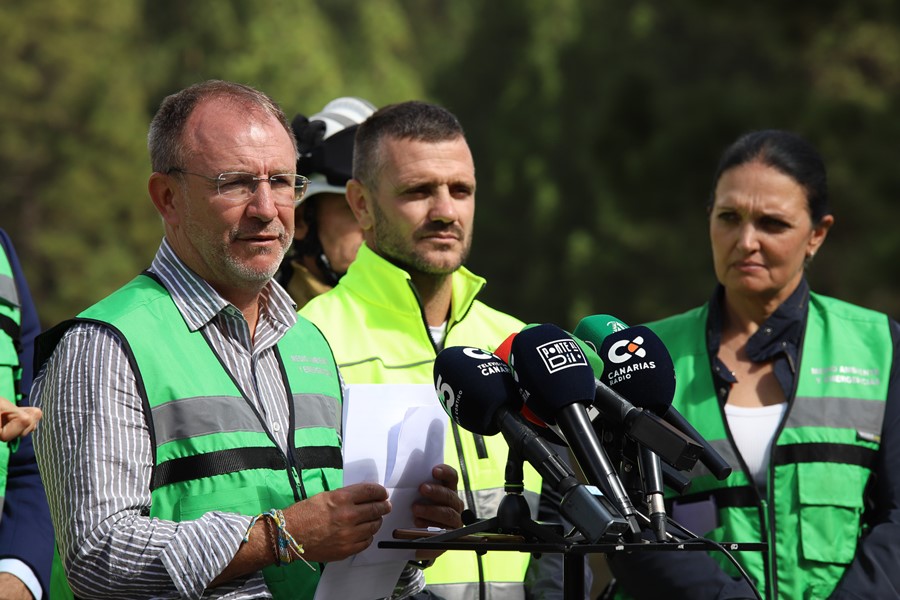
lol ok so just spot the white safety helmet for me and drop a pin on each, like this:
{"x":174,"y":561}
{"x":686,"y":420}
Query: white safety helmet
{"x":325,"y":144}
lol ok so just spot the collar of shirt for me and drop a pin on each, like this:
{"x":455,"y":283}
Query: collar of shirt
{"x":199,"y":303}
{"x":778,"y":339}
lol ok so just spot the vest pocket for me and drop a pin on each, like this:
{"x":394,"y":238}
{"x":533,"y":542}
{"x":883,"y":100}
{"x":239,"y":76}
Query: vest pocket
{"x":831,"y":504}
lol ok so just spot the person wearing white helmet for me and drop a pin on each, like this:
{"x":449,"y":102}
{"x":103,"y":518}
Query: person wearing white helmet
{"x":327,"y":235}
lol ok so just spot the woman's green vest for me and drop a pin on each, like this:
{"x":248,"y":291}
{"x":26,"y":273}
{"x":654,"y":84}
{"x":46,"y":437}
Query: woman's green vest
{"x":10,"y":370}
{"x":822,"y":457}
{"x":212,"y":450}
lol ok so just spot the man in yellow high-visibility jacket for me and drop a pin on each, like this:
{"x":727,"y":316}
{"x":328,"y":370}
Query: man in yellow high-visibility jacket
{"x":407,"y":296}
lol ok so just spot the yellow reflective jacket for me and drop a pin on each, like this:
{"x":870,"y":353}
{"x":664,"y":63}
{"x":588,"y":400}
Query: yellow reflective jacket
{"x":374,"y":322}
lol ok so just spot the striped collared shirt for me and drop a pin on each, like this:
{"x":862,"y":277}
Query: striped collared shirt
{"x":95,"y":453}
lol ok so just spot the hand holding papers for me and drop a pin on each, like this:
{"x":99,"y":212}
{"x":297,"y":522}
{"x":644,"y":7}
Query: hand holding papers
{"x":394,"y":436}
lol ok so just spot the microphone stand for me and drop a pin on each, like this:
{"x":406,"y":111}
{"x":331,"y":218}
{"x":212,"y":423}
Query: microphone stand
{"x":513,"y":514}
{"x":514,"y":517}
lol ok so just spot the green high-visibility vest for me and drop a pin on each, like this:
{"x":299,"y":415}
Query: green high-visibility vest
{"x":822,"y":456}
{"x":212,"y":450}
{"x":10,"y":369}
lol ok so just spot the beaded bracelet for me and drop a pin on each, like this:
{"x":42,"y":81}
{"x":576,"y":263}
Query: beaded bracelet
{"x":286,"y":547}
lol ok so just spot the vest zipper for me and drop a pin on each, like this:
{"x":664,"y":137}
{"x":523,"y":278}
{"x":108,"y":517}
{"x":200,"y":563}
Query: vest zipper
{"x":767,"y":504}
{"x":291,"y":457}
{"x":772,"y":534}
{"x":480,"y":446}
{"x":470,"y":498}
{"x":289,"y":462}
{"x":763,"y":511}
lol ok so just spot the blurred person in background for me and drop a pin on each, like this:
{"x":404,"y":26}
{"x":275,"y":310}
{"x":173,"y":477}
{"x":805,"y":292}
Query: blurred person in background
{"x":326,"y":234}
{"x":26,"y":532}
{"x":797,"y":391}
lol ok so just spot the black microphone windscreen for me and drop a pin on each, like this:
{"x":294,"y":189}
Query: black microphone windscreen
{"x":471,"y":384}
{"x":639,"y":367}
{"x":551,"y":369}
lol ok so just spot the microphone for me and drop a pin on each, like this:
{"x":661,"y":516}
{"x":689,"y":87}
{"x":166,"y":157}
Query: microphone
{"x":502,"y":352}
{"x":558,"y":383}
{"x":477,"y":390}
{"x":646,"y":428}
{"x":593,"y":330}
{"x":640,"y":367}
{"x":673,"y":446}
{"x":596,"y":328}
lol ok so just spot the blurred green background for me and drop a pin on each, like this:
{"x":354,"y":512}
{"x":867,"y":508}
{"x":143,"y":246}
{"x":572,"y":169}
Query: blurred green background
{"x":595,"y":124}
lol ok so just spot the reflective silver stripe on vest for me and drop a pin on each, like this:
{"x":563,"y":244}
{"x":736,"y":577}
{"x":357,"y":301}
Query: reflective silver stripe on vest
{"x":363,"y":361}
{"x":723,"y":447}
{"x":865,"y":416}
{"x":8,"y":291}
{"x":204,"y":415}
{"x":469,"y":591}
{"x":487,"y":501}
{"x":841,"y":413}
{"x":317,"y":410}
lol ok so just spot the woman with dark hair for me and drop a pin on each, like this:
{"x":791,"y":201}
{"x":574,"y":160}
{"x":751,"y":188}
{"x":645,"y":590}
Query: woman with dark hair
{"x":797,"y":391}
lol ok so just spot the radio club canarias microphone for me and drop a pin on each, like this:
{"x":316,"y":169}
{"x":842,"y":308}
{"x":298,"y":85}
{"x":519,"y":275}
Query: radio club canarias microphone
{"x":558,"y":383}
{"x":639,"y":366}
{"x":478,"y":392}
{"x":598,"y":328}
{"x":609,"y":408}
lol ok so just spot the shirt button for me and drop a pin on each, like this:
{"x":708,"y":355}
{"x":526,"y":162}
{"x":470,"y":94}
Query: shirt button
{"x":277,"y":426}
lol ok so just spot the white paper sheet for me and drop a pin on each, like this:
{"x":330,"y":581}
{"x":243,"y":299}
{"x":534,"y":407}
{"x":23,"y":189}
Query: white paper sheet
{"x":393,"y":435}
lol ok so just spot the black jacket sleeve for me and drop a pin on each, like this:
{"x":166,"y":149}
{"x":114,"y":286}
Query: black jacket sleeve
{"x":676,"y":576}
{"x":875,"y":570}
{"x":26,"y":532}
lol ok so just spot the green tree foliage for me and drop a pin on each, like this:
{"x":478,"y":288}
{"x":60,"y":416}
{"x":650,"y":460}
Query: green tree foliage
{"x":596,"y":126}
{"x":83,"y":78}
{"x":71,"y":149}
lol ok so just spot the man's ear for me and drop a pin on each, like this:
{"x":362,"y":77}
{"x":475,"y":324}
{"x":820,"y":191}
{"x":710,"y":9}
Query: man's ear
{"x":164,"y":191}
{"x":359,"y":198}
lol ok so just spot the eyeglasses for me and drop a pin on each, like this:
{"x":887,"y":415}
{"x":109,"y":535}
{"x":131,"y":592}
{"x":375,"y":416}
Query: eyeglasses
{"x":286,"y":188}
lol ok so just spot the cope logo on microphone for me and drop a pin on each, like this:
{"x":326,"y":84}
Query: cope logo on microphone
{"x":561,"y":354}
{"x":616,"y":326}
{"x":624,"y":350}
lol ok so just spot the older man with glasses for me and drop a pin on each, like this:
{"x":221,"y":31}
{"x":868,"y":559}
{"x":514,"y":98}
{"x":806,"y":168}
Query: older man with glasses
{"x":191,"y":438}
